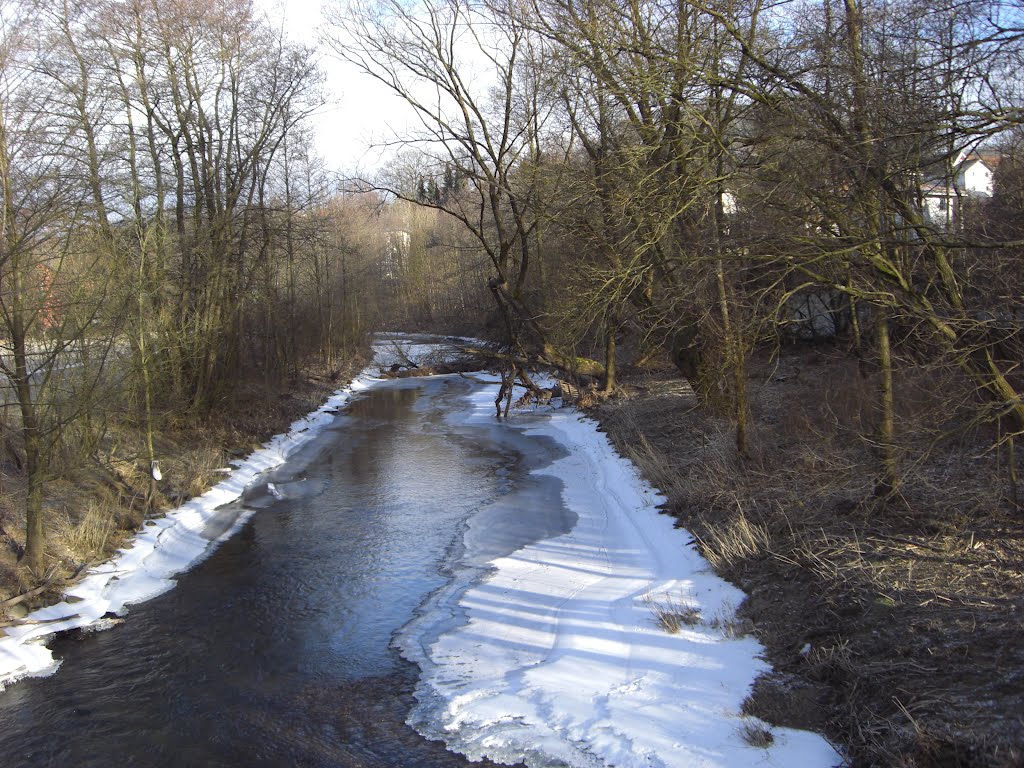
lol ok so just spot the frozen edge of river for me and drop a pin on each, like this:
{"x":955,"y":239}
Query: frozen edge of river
{"x":560,"y":660}
{"x":162,"y":549}
{"x":170,"y":545}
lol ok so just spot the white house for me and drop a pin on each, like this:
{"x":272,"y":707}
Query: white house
{"x":977,"y":173}
{"x":974,"y":179}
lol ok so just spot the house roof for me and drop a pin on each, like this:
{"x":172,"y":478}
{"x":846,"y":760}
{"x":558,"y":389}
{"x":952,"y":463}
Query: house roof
{"x":989,"y":159}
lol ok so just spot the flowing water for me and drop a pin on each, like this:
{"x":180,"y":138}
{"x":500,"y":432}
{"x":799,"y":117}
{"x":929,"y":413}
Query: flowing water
{"x":277,"y":649}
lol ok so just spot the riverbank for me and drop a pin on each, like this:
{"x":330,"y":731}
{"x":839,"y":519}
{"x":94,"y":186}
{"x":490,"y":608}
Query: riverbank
{"x":611,"y":643}
{"x":94,"y":506}
{"x":893,"y":626}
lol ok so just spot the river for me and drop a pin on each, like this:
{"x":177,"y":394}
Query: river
{"x":277,"y":649}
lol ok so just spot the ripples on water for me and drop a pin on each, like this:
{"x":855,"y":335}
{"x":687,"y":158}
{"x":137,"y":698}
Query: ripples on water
{"x":276,"y":651}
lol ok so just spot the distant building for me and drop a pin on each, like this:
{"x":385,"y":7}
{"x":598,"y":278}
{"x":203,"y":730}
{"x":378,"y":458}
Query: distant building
{"x":396,"y":251}
{"x":976,"y":172}
{"x":973,"y":179}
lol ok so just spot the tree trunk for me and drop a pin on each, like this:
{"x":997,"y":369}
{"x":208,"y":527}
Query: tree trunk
{"x":35,"y":537}
{"x":889,"y":481}
{"x":611,"y":327}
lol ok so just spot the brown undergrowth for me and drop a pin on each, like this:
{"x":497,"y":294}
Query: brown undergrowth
{"x":894,"y":625}
{"x":97,"y":502}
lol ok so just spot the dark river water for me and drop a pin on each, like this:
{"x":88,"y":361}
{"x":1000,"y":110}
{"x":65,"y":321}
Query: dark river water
{"x":276,"y":650}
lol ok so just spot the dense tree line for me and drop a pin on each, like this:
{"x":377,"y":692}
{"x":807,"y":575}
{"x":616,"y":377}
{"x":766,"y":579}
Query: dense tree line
{"x":599,"y":182}
{"x":680,"y":176}
{"x":166,"y":229}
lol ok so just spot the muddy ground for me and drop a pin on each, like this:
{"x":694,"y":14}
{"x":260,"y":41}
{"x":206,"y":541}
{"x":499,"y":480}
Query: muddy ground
{"x":895,"y":625}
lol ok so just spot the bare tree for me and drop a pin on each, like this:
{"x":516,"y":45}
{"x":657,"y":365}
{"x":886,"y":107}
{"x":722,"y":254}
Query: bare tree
{"x":869,"y":100}
{"x":432,"y":57}
{"x":43,"y":232}
{"x":653,"y":94}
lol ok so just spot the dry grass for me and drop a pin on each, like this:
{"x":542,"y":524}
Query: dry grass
{"x":199,"y":471}
{"x":88,"y":533}
{"x":757,"y":734}
{"x":737,"y":540}
{"x":673,"y":614}
{"x":731,"y":623}
{"x":832,"y":660}
{"x":907,"y":608}
{"x":655,"y":465}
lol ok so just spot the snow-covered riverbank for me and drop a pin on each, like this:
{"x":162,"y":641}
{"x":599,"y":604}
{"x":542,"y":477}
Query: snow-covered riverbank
{"x":560,"y":658}
{"x":163,"y":548}
{"x":176,"y":542}
{"x":552,"y":653}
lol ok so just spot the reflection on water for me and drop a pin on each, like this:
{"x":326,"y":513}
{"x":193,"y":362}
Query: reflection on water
{"x":276,"y":651}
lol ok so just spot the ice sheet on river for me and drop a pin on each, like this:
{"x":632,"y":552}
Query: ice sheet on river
{"x":556,"y":656}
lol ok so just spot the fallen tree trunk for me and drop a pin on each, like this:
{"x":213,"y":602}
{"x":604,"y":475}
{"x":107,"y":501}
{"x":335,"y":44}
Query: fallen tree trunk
{"x":51,"y":582}
{"x":547,"y":353}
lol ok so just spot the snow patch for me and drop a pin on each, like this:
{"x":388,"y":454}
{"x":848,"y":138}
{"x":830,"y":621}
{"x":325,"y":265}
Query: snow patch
{"x":555,"y":657}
